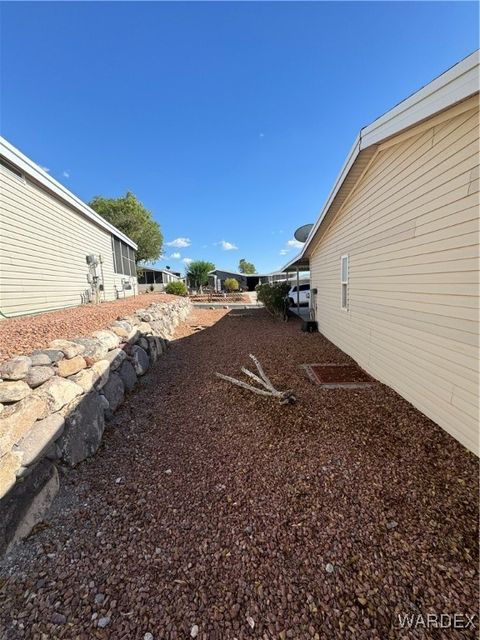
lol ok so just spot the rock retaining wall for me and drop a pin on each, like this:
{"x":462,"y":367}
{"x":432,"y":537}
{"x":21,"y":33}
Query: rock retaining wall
{"x":54,"y":402}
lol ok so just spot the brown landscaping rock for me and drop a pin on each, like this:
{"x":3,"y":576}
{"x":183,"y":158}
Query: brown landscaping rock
{"x":36,"y":442}
{"x":69,"y":367}
{"x":210,"y":509}
{"x":13,"y":390}
{"x":16,"y":368}
{"x":67,"y":347}
{"x":58,"y":392}
{"x":38,"y":375}
{"x":15,"y":422}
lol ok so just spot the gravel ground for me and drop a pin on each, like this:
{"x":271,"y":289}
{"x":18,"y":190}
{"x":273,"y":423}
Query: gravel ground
{"x":19,"y":336}
{"x":213,"y":513}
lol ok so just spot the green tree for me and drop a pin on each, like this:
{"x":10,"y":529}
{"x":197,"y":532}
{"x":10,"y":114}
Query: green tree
{"x":246,"y":267}
{"x":231,"y":284}
{"x":130,"y":216}
{"x":197,"y":273}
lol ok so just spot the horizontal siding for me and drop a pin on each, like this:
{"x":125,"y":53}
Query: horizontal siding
{"x":410,"y":228}
{"x":43,"y":245}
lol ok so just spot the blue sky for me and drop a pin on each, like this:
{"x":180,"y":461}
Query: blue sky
{"x":229,"y":121}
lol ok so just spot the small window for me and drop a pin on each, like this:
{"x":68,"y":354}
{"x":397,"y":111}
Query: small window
{"x":344,"y":281}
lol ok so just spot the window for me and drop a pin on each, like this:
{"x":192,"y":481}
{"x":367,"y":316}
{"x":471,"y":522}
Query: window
{"x":123,"y":258}
{"x":344,"y":281}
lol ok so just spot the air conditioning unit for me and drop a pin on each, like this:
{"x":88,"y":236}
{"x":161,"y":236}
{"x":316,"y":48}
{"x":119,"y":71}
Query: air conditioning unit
{"x":92,"y":260}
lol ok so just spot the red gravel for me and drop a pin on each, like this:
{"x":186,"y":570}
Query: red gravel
{"x":19,"y":336}
{"x":230,"y":508}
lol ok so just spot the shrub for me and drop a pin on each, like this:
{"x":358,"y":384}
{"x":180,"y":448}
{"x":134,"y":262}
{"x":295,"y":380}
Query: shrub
{"x":272,"y":296}
{"x":176,"y":288}
{"x":231,"y":284}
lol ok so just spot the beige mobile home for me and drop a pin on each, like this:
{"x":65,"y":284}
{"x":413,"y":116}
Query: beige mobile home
{"x":55,"y":251}
{"x":394,"y":254}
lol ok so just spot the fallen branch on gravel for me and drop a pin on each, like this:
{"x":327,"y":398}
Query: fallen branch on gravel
{"x":285,"y":397}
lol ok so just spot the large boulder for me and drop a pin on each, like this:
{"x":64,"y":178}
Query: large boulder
{"x":85,"y":379}
{"x":108,"y":338}
{"x":102,"y":373}
{"x":14,"y":390}
{"x":36,"y":442}
{"x":115,"y":358}
{"x":16,"y":368}
{"x":71,"y":366}
{"x":69,"y":348}
{"x":128,"y":375}
{"x":17,"y":420}
{"x":10,"y":463}
{"x":94,"y":350}
{"x":40,"y":359}
{"x":26,"y":503}
{"x":58,"y":392}
{"x":84,"y":426}
{"x":54,"y":355}
{"x":122,"y":328}
{"x":140,"y":360}
{"x":114,"y":391}
{"x":38,"y":375}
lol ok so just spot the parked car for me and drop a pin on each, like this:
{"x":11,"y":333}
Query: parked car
{"x":304,"y":295}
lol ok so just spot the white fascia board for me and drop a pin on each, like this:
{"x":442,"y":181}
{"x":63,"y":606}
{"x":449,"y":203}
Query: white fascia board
{"x":457,"y":84}
{"x":29,"y":168}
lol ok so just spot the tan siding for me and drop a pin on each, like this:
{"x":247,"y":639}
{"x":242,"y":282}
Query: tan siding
{"x":410,"y":228}
{"x":43,"y":245}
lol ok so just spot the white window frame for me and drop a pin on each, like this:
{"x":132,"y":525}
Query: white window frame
{"x":344,"y":282}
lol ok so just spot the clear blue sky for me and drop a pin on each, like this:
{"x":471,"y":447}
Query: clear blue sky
{"x":228,"y":121}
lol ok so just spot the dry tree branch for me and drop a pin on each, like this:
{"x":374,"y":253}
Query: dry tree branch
{"x":285,"y":397}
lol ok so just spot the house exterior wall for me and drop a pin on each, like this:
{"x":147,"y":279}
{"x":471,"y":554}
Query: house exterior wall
{"x":410,"y":229}
{"x":43,"y":245}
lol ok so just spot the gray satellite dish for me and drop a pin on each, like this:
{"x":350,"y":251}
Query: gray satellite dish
{"x":301,"y":234}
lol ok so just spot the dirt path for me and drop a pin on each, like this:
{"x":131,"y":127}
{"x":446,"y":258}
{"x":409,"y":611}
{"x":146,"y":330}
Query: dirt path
{"x":214,"y":512}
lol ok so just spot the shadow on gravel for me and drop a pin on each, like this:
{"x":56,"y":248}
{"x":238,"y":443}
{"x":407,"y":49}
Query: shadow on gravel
{"x":214,"y":512}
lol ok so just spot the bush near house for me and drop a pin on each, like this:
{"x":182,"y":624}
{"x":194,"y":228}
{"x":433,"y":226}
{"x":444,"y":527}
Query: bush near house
{"x":272,"y":296}
{"x":176,"y":288}
{"x":231,"y":284}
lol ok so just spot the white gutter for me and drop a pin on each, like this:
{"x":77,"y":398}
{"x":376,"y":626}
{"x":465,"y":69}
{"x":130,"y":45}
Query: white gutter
{"x":28,"y":167}
{"x":458,"y":83}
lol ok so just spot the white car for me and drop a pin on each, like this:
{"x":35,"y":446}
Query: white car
{"x":304,"y":295}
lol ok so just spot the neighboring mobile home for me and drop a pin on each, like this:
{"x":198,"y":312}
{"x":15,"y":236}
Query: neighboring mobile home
{"x":152,"y":279}
{"x":55,"y":251}
{"x":394,"y":254}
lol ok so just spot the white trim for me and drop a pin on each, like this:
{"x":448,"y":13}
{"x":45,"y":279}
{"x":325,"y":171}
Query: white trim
{"x":457,"y":84}
{"x":29,"y":168}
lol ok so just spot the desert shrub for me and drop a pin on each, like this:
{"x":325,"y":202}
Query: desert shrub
{"x":176,"y":288}
{"x":272,"y":296}
{"x":231,"y":284}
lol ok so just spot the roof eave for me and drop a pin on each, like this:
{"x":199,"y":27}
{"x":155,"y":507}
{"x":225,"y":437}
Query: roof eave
{"x":28,"y":167}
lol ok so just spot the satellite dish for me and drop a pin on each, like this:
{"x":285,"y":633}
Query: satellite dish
{"x":301,"y":234}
